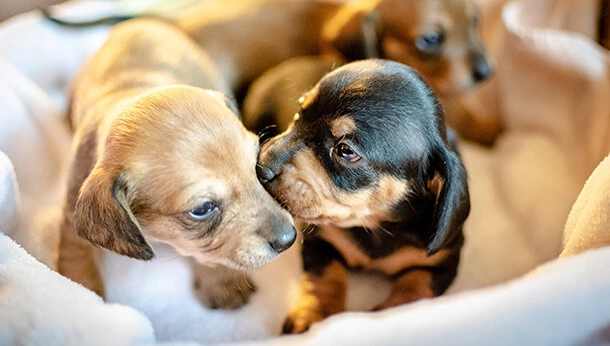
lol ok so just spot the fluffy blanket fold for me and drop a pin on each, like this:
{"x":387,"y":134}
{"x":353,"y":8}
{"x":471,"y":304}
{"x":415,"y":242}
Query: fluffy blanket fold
{"x":551,"y":88}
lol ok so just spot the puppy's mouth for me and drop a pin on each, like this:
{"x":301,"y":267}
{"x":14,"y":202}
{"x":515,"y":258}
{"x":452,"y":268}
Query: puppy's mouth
{"x":298,"y":198}
{"x":305,"y":204}
{"x":460,"y":79}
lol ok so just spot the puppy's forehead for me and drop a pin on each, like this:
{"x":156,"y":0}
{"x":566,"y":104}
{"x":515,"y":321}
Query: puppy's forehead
{"x":372,"y":82}
{"x":376,"y":99}
{"x":187,"y":140}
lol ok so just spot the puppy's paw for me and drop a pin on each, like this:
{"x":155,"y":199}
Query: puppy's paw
{"x":300,"y":319}
{"x":222,"y":288}
{"x":231,"y":294}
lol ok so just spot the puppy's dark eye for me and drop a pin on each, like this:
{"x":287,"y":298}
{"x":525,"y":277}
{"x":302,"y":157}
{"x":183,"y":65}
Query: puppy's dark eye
{"x":346,"y":153}
{"x":430,"y":42}
{"x":204,"y":211}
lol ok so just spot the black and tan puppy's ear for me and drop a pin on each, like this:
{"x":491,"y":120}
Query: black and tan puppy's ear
{"x":103,"y":217}
{"x":232,"y":105}
{"x":229,"y":101}
{"x":450,"y":186}
{"x":353,"y":34}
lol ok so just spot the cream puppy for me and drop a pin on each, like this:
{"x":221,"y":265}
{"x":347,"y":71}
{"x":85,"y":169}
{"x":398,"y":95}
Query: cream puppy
{"x":161,"y":157}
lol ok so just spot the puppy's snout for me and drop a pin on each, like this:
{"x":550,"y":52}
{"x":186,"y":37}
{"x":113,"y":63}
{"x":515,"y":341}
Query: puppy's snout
{"x":284,"y":239}
{"x":481,"y":70}
{"x":279,"y":233}
{"x":265,"y":174}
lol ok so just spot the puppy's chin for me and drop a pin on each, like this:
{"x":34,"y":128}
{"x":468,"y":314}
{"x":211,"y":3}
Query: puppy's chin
{"x":234,"y":264}
{"x":447,"y":87}
{"x":243,"y":258}
{"x":239,"y":253}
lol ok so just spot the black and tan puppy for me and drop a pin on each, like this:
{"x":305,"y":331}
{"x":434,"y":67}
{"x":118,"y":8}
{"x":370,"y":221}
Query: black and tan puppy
{"x":161,"y":156}
{"x":368,"y":160}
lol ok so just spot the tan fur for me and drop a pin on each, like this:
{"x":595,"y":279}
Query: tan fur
{"x":309,"y":194}
{"x":321,"y":296}
{"x":151,"y":142}
{"x":405,"y":257}
{"x":409,"y":287}
{"x":77,"y":261}
{"x":222,"y":287}
{"x":342,"y":126}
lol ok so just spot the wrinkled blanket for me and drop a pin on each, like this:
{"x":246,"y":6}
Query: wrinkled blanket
{"x":551,"y":91}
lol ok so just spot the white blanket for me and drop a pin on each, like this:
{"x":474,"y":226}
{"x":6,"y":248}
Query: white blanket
{"x":551,"y":89}
{"x":40,"y":307}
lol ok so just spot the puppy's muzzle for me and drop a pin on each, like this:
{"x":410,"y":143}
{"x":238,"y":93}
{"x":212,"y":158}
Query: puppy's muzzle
{"x":481,"y":68}
{"x":282,"y":237}
{"x":274,"y":154}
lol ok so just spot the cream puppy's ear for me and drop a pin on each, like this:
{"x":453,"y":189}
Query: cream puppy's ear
{"x":103,"y":217}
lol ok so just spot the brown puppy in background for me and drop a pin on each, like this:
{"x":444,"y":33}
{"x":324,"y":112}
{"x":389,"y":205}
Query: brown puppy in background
{"x":160,"y":156}
{"x":438,"y":38}
{"x":369,"y":162}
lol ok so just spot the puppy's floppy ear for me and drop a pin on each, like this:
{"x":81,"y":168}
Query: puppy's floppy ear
{"x":103,"y":217}
{"x":354,"y":35}
{"x":450,"y":186}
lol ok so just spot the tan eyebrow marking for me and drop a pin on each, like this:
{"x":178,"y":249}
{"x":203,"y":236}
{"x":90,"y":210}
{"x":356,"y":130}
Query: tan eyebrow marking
{"x":342,"y":126}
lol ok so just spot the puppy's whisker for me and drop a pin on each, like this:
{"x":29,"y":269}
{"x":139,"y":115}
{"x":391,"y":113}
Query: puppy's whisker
{"x":226,"y":273}
{"x":267,"y":129}
{"x":408,"y":200}
{"x":235,"y":277}
{"x":386,"y":231}
{"x":373,"y":234}
{"x":310,"y":229}
{"x":246,"y":279}
{"x":368,"y":231}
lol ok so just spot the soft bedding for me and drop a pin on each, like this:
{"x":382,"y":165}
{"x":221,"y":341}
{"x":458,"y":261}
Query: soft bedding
{"x":551,"y":90}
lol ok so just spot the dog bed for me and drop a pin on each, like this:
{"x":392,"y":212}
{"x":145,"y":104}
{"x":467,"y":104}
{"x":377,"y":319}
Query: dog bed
{"x":529,"y":275}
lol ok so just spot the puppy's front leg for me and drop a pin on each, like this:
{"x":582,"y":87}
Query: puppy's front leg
{"x":411,"y":286}
{"x":221,"y":287}
{"x":76,"y":259}
{"x":324,"y":287}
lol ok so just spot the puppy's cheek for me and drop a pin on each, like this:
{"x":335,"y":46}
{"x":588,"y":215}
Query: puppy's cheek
{"x":162,"y":229}
{"x":300,"y":199}
{"x":238,"y":248}
{"x":210,"y":250}
{"x":298,"y":196}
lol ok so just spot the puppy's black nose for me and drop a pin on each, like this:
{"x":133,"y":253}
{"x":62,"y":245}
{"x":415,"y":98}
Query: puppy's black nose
{"x":284,"y":239}
{"x":482,"y":70}
{"x":265,"y":174}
